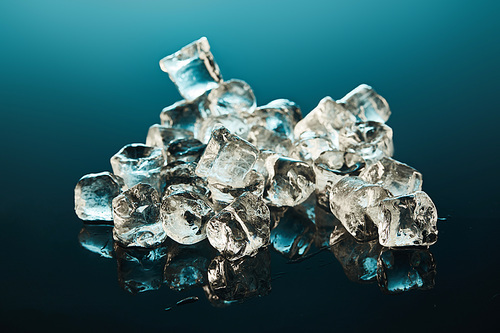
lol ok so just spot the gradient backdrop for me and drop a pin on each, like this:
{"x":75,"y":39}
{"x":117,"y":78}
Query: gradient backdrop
{"x":80,"y":79}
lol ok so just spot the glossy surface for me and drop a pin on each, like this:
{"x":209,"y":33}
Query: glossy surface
{"x":80,"y":80}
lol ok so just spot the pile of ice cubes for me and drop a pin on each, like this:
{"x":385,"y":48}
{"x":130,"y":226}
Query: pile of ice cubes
{"x":218,"y":164}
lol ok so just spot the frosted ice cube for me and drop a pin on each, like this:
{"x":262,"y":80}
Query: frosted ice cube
{"x":161,"y":136}
{"x":136,"y":217}
{"x":330,"y":167}
{"x":94,"y":194}
{"x":366,"y":104}
{"x":182,"y":115}
{"x":140,"y":270}
{"x":371,"y":140}
{"x":400,"y":270}
{"x":290,"y":181}
{"x":241,"y":228}
{"x":326,"y":119}
{"x":225,"y":194}
{"x":407,"y":220}
{"x":186,"y":150}
{"x":227,"y":159}
{"x":137,"y":163}
{"x":397,"y":177}
{"x":230,"y":97}
{"x":310,"y":146}
{"x":233,"y":122}
{"x":192,"y":69}
{"x":354,"y":202}
{"x":185,"y":211}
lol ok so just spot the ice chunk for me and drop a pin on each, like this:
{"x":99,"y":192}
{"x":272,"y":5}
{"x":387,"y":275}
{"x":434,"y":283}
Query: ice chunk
{"x":354,"y":202}
{"x":225,"y":194}
{"x":230,"y":97}
{"x":180,"y":172}
{"x":241,"y":228}
{"x":290,"y":183}
{"x":161,"y":136}
{"x":326,"y":119}
{"x":140,"y":270}
{"x":310,"y":146}
{"x":235,"y":281}
{"x":407,"y":220}
{"x":93,"y":196}
{"x":137,"y":163}
{"x":268,"y":140}
{"x":233,"y":122}
{"x":187,"y":265}
{"x":182,"y":115}
{"x":187,"y":150}
{"x":286,"y":106}
{"x":192,"y":69}
{"x":294,"y":235}
{"x":397,"y":177}
{"x":136,"y":215}
{"x":400,"y":270}
{"x":227,"y":159}
{"x":371,"y":140}
{"x":185,"y":211}
{"x":366,"y":104}
{"x":98,"y":239}
{"x":330,"y":167}
{"x":359,"y":260}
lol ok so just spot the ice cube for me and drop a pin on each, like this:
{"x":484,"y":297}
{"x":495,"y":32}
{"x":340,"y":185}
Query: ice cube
{"x":366,"y":104}
{"x":185,"y":211}
{"x":358,"y":259}
{"x":268,"y":140}
{"x":187,"y":265}
{"x":140,"y":270}
{"x":371,"y":140}
{"x":290,"y":108}
{"x":290,"y":182}
{"x":137,"y":163}
{"x":180,"y":172}
{"x":225,"y":194}
{"x":93,"y":196}
{"x":310,"y":146}
{"x":400,"y":270}
{"x":407,"y":220}
{"x":235,"y":281}
{"x":355,"y":202}
{"x":136,"y":216}
{"x":187,"y":150}
{"x":230,"y":97}
{"x":192,"y":69}
{"x":293,"y":235}
{"x":241,"y":228}
{"x":98,"y":239}
{"x":330,"y":167}
{"x":326,"y":119}
{"x":233,"y":122}
{"x":161,"y":136}
{"x":182,"y":115}
{"x":227,"y":159}
{"x":277,"y":117}
{"x":397,"y":177}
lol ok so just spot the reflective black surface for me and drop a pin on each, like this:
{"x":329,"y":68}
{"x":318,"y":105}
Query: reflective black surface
{"x":79,"y":80}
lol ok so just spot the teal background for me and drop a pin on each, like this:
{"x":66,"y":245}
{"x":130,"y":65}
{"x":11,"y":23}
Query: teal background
{"x":80,"y":79}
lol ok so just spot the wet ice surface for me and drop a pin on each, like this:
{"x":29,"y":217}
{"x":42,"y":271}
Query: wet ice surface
{"x":222,"y":183}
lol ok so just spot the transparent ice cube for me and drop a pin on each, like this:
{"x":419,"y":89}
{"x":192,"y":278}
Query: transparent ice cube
{"x":94,"y":194}
{"x":230,"y":97}
{"x":366,"y":104}
{"x":192,"y":69}
{"x":136,"y":217}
